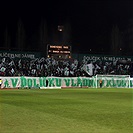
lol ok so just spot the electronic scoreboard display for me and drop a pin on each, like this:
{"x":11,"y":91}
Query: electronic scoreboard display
{"x":59,"y":51}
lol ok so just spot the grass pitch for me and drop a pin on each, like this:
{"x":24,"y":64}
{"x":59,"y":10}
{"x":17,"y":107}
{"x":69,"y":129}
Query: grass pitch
{"x":66,"y":111}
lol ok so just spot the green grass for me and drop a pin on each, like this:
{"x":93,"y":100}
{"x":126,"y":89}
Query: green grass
{"x":66,"y":111}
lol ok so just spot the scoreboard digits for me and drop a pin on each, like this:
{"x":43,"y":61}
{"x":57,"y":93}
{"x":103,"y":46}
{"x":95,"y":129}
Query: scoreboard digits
{"x":59,"y":51}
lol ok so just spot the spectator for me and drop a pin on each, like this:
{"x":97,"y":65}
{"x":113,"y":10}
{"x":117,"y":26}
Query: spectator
{"x":51,"y":67}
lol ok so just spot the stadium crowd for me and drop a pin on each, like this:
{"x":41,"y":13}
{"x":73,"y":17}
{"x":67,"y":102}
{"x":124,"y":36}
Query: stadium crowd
{"x":62,"y":68}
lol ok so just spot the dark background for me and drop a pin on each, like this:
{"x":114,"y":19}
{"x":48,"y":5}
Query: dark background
{"x":91,"y":22}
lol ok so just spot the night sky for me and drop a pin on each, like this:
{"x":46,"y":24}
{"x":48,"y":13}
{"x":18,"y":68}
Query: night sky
{"x":91,"y":20}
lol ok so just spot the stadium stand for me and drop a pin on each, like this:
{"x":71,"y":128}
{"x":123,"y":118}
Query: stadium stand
{"x":62,"y":68}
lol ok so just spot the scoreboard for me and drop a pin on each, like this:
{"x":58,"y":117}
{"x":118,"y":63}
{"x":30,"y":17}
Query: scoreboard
{"x":59,"y":51}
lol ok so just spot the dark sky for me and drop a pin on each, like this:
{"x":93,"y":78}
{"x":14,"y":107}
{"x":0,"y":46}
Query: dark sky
{"x":91,"y":20}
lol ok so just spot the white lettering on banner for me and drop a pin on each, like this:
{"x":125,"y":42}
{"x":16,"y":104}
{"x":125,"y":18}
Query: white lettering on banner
{"x":106,"y":58}
{"x":17,"y":55}
{"x":92,"y":58}
{"x":4,"y":54}
{"x":110,"y":58}
{"x":13,"y":55}
{"x":31,"y":56}
{"x":10,"y":55}
{"x":98,"y":58}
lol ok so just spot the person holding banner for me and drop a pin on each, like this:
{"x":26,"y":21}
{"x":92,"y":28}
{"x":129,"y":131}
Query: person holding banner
{"x":0,"y":83}
{"x":100,"y":82}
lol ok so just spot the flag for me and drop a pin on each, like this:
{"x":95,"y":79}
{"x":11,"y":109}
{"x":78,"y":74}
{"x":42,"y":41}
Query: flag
{"x":19,"y":63}
{"x":41,"y":60}
{"x":12,"y":71}
{"x":88,"y":68}
{"x":2,"y":69}
{"x":3,"y":60}
{"x":11,"y":63}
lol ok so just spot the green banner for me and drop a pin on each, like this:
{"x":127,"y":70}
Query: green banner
{"x":37,"y":82}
